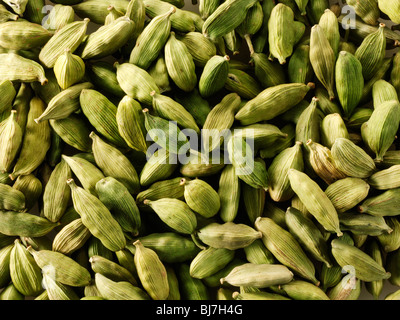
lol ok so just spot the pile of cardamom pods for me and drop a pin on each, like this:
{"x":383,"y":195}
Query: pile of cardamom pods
{"x":297,"y":99}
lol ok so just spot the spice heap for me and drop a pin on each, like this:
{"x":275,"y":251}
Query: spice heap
{"x":244,"y":152}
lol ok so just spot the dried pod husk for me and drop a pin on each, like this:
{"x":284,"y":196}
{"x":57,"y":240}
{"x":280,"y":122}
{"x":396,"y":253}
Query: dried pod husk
{"x":171,"y":188}
{"x":365,"y":267}
{"x":10,"y":292}
{"x":379,"y":74}
{"x":23,"y":35}
{"x":64,"y":103}
{"x":330,"y":25}
{"x":103,"y":75}
{"x":59,"y":16}
{"x":69,"y":69}
{"x":209,"y":261}
{"x":278,"y":240}
{"x":253,"y":201}
{"x":118,"y":290}
{"x":351,"y":159}
{"x":348,"y":288}
{"x":157,"y":168}
{"x":86,"y":172}
{"x":5,"y":253}
{"x":120,"y":202}
{"x":394,"y":74}
{"x":136,"y":82}
{"x":101,"y":113}
{"x":303,"y":290}
{"x":284,"y":32}
{"x":56,"y":194}
{"x":151,"y":40}
{"x":360,"y":224}
{"x":201,"y":48}
{"x":322,"y":163}
{"x":374,"y":250}
{"x":151,"y":272}
{"x":229,"y":191}
{"x":332,"y":127}
{"x":381,"y":205}
{"x":349,"y":82}
{"x":252,"y":22}
{"x":61,"y":268}
{"x":346,"y":193}
{"x":166,"y":134}
{"x":227,"y":17}
{"x":219,"y":119}
{"x":71,"y":237}
{"x":130,"y":120}
{"x":214,"y":76}
{"x":31,"y":187}
{"x":25,"y":273}
{"x":105,"y":156}
{"x":6,"y":15}
{"x":35,"y":143}
{"x":175,"y":213}
{"x":390,"y":8}
{"x":264,"y":105}
{"x":371,"y":52}
{"x":182,"y":20}
{"x":8,"y":93}
{"x":11,"y":136}
{"x":97,"y":218}
{"x":258,"y":275}
{"x":257,"y":253}
{"x":279,"y":184}
{"x":368,"y":11}
{"x":390,"y":241}
{"x":110,"y":269}
{"x":180,"y":64}
{"x":228,"y":235}
{"x":386,"y":179}
{"x":191,"y":288}
{"x":74,"y":130}
{"x":299,"y":66}
{"x":379,"y":132}
{"x":242,"y":83}
{"x":158,"y":71}
{"x":207,"y":7}
{"x":308,"y":235}
{"x":17,"y":68}
{"x":392,"y":265}
{"x":171,"y":247}
{"x":167,"y":108}
{"x":315,"y":200}
{"x":57,"y":291}
{"x":201,"y":197}
{"x":23,"y":224}
{"x":359,"y":116}
{"x":267,"y":72}
{"x":326,"y":105}
{"x":383,"y":91}
{"x":260,"y":39}
{"x":323,"y":59}
{"x":68,"y":37}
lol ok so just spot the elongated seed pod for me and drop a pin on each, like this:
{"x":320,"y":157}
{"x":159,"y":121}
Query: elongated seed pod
{"x":323,"y":59}
{"x":209,"y":261}
{"x":349,"y":82}
{"x":35,"y":143}
{"x":229,"y":191}
{"x":371,"y":52}
{"x":151,"y":272}
{"x":383,"y":204}
{"x":97,"y":218}
{"x":151,"y":41}
{"x":64,"y":103}
{"x":71,"y":237}
{"x":285,"y":248}
{"x":14,"y":67}
{"x":366,"y":268}
{"x":368,"y":11}
{"x":315,"y":200}
{"x":10,"y":141}
{"x":180,"y":64}
{"x":105,"y":155}
{"x":68,"y":37}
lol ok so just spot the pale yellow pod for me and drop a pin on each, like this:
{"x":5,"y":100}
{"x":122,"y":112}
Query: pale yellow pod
{"x":69,"y":69}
